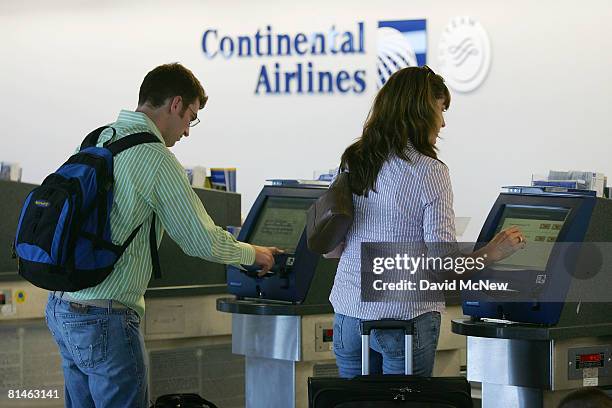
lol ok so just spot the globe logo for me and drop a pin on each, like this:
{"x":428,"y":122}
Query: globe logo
{"x":400,"y":44}
{"x":464,"y":54}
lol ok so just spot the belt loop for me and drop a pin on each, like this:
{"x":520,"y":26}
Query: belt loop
{"x":110,"y":306}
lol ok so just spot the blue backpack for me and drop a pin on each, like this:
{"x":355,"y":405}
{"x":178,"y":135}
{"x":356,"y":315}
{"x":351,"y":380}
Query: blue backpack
{"x":63,"y":239}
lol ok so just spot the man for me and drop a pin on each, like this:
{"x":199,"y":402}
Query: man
{"x":97,"y":329}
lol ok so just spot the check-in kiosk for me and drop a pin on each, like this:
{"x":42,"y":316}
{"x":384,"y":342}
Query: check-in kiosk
{"x":187,"y":339}
{"x":551,"y":331}
{"x":278,"y":218}
{"x":283,"y":322}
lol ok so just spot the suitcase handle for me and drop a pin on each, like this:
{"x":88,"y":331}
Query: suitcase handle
{"x":368,"y":325}
{"x":366,"y":328}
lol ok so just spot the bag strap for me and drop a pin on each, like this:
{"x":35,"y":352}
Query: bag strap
{"x":153,"y":246}
{"x":120,"y":249}
{"x":130,"y":141}
{"x":115,"y":148}
{"x":91,"y":140}
{"x":119,"y":146}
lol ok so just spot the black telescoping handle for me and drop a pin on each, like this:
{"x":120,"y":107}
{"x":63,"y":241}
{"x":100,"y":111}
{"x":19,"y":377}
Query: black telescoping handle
{"x":366,"y":328}
{"x":387,"y":324}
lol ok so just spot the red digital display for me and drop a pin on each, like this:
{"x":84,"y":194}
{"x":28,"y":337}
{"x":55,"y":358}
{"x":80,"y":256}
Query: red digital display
{"x":328,"y":335}
{"x":584,"y":358}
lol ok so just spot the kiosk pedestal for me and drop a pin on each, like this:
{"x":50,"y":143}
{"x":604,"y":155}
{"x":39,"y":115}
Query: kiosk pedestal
{"x":283,"y":345}
{"x":529,"y":366}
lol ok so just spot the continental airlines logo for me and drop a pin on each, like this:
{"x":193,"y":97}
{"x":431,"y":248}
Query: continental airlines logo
{"x":290,"y":59}
{"x":401,"y":44}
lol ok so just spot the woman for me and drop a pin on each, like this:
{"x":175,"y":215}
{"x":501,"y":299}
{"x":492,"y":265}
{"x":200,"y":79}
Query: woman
{"x":401,"y":193}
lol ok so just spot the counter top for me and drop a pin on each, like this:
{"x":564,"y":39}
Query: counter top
{"x":262,"y":307}
{"x":526,"y":331}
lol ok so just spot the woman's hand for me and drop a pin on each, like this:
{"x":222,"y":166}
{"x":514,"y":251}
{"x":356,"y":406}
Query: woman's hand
{"x":504,"y":244}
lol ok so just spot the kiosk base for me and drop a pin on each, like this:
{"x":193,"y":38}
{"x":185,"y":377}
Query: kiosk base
{"x":528,"y":373}
{"x":281,"y":352}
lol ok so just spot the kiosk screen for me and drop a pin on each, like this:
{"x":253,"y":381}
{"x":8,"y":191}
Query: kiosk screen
{"x":281,"y":222}
{"x":540,"y":226}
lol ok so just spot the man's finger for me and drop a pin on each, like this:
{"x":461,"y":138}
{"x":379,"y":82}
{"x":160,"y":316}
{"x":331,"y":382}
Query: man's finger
{"x":264,"y":270}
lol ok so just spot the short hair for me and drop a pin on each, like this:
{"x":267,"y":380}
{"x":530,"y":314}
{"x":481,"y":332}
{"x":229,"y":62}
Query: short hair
{"x":586,"y":398}
{"x":170,"y":80}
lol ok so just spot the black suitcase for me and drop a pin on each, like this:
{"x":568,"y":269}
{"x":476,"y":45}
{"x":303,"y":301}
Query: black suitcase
{"x":388,"y":390}
{"x":182,"y":401}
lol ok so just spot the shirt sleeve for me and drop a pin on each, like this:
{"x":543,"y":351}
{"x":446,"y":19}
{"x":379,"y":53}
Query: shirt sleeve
{"x":438,"y":214}
{"x":186,"y":221}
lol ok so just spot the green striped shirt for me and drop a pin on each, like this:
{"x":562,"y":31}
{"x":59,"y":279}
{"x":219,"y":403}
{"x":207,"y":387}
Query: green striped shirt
{"x":149,"y":179}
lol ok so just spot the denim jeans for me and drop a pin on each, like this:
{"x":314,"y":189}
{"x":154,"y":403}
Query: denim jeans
{"x":103,"y":355}
{"x":386,"y":346}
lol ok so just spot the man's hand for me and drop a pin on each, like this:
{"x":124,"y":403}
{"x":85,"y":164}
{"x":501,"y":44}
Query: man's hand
{"x":264,"y":257}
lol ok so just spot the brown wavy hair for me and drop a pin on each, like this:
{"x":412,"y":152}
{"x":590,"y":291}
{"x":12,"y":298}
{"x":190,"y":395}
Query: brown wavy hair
{"x":403,"y":113}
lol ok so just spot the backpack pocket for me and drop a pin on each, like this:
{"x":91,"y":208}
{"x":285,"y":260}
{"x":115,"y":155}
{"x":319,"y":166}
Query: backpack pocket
{"x":45,"y":222}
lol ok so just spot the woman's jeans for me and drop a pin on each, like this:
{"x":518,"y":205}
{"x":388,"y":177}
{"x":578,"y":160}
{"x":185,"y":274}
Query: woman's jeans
{"x":386,"y":346}
{"x":103,"y":355}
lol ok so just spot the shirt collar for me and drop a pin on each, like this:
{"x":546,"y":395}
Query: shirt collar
{"x":141,"y":119}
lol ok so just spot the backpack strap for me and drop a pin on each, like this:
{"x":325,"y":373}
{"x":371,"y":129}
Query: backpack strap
{"x":120,"y":249}
{"x":130,"y":141}
{"x":119,"y":146}
{"x":153,"y":246}
{"x":91,"y":140}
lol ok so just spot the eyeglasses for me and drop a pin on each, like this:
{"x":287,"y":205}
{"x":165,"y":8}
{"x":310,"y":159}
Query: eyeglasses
{"x":194,"y":122}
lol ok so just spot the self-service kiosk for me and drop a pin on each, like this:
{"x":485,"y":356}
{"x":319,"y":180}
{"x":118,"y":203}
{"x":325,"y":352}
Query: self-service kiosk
{"x":278,"y":218}
{"x":551,"y":331}
{"x":282,"y":322}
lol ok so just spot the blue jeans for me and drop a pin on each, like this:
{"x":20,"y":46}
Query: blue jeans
{"x":103,"y":355}
{"x":386,"y":346}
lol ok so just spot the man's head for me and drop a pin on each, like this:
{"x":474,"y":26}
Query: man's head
{"x":171,"y":96}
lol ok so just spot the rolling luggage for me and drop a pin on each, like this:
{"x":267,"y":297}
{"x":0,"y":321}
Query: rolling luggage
{"x":182,"y":401}
{"x":382,"y":391}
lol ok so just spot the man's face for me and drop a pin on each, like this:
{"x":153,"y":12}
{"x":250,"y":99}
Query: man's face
{"x":181,"y":115}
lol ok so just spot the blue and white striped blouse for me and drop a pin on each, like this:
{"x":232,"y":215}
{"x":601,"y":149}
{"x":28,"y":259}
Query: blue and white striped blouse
{"x":413,"y":203}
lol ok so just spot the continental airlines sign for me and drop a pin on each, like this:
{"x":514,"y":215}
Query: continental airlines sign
{"x":303,"y":77}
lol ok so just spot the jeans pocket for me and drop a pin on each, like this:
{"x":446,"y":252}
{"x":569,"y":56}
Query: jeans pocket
{"x":426,"y":330}
{"x":391,"y":342}
{"x":87,"y":340}
{"x":337,"y":335}
{"x":132,"y":320}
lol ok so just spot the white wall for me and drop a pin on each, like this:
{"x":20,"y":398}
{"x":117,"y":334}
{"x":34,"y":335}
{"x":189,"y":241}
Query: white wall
{"x":69,"y":66}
